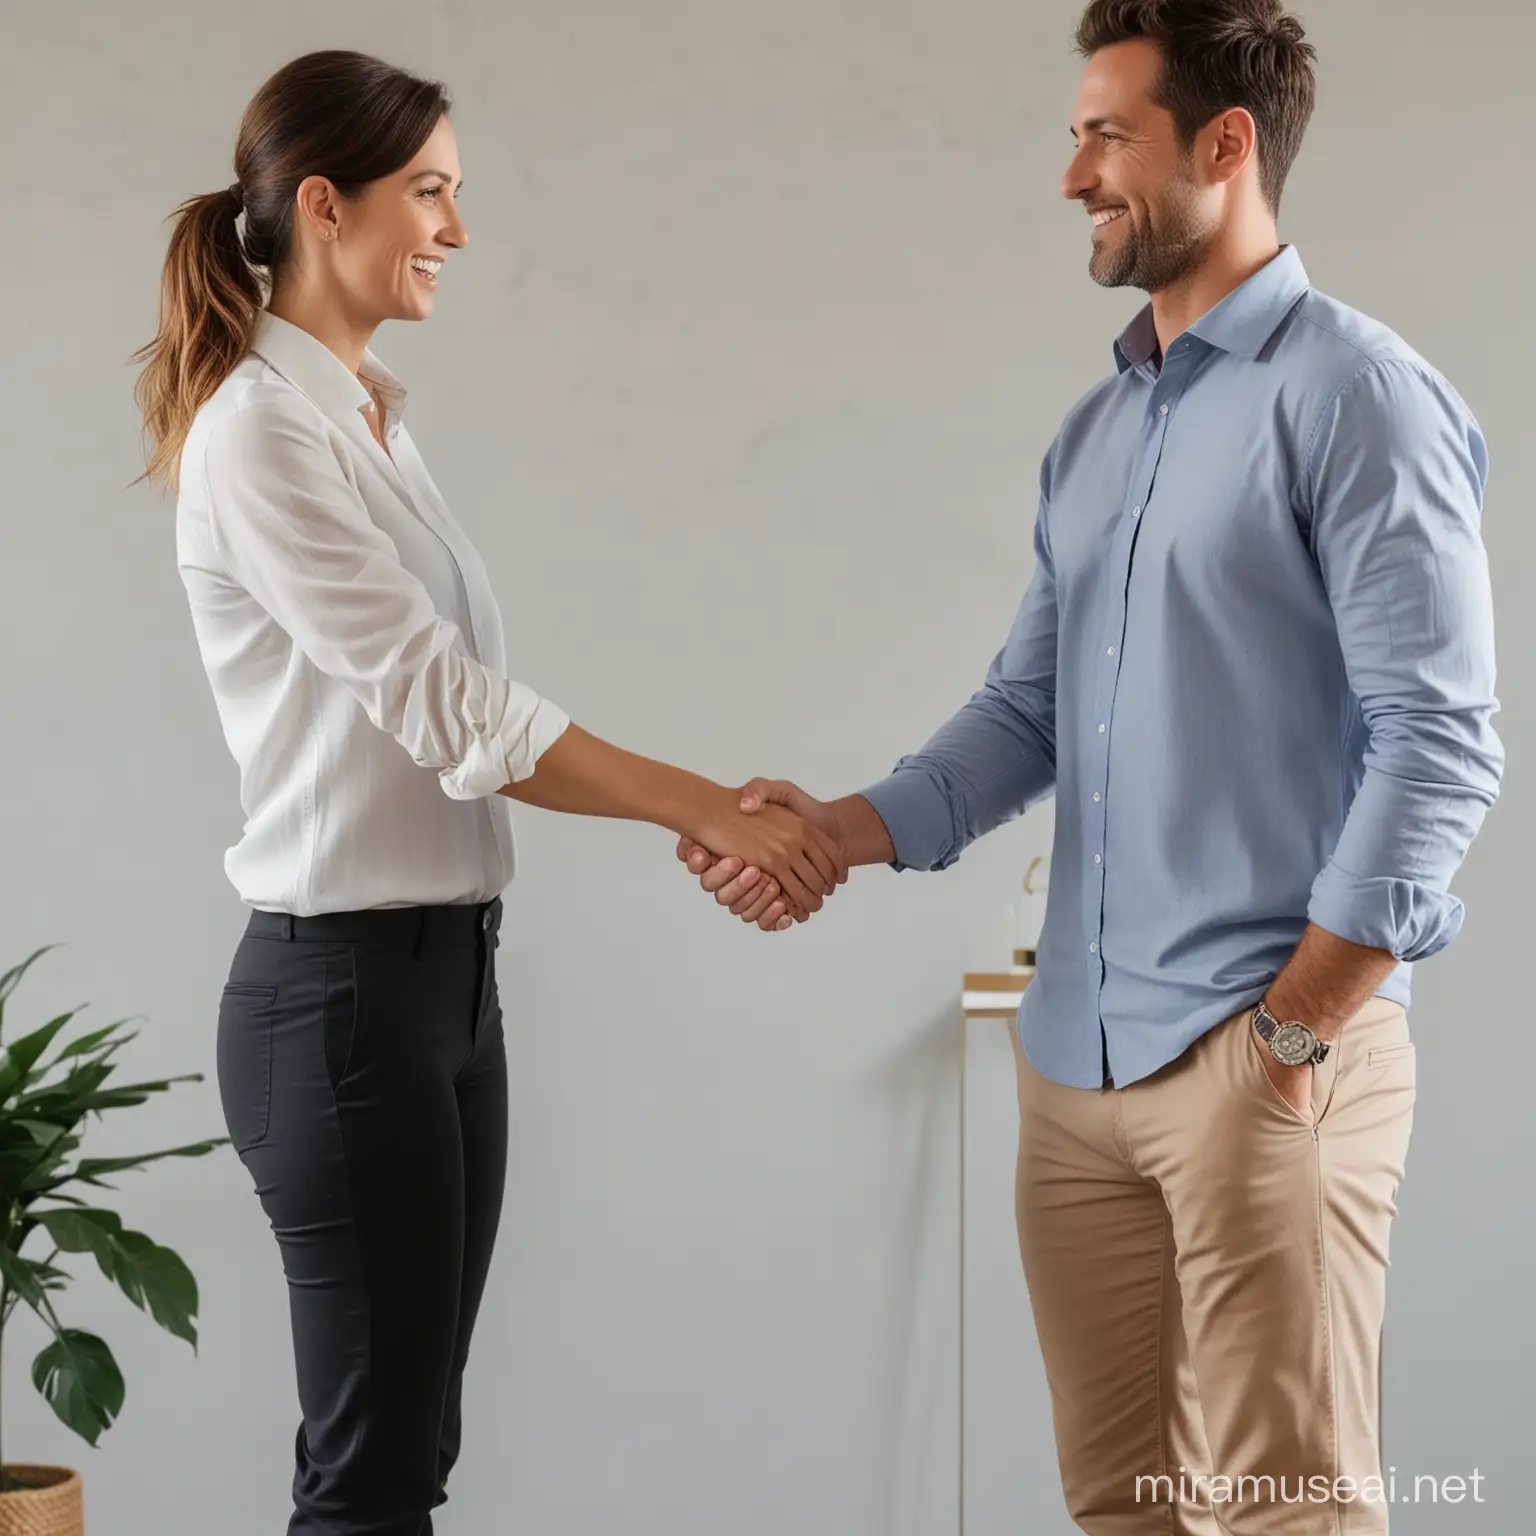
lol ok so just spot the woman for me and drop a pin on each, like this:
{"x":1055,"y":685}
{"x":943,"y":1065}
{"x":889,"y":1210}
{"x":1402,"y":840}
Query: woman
{"x":343,"y":616}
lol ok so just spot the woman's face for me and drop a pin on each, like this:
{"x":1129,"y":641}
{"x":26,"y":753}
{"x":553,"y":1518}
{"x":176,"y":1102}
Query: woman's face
{"x":394,"y":240}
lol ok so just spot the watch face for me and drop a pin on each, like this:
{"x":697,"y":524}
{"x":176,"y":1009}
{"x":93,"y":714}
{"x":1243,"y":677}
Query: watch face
{"x":1293,"y":1045}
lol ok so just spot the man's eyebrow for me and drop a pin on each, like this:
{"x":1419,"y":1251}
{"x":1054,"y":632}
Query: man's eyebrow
{"x":1095,"y":124}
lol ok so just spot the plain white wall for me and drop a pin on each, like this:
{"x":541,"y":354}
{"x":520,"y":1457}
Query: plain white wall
{"x":769,"y":312}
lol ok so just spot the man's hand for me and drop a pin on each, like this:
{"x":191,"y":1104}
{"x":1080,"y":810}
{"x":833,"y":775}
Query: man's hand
{"x":804,"y":860}
{"x":1325,"y":982}
{"x":1293,"y":1084}
{"x":743,"y":887}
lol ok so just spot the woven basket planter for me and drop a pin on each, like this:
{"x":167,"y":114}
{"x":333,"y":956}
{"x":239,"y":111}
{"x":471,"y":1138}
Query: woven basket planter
{"x":50,"y":1504}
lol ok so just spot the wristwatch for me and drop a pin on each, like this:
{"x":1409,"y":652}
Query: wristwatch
{"x":1292,"y":1043}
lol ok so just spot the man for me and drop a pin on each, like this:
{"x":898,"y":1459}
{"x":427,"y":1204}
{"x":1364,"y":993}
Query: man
{"x":1255,"y":666}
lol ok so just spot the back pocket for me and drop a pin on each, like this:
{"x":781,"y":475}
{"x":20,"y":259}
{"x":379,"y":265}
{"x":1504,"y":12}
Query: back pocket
{"x":244,"y":1057}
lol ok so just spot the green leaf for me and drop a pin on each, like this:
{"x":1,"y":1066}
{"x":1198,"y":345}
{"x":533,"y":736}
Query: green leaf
{"x":23,"y":1169}
{"x":12,"y":976}
{"x":150,"y":1276}
{"x":49,"y":1088}
{"x":97,"y":1037}
{"x":16,"y":1131}
{"x":89,"y":1169}
{"x":61,"y":1101}
{"x":69,"y":1107}
{"x":46,"y":1165}
{"x":169,"y":1286}
{"x":15,"y":1166}
{"x":18,"y":1060}
{"x":81,"y":1381}
{"x":48,"y":1276}
{"x":21,"y":1275}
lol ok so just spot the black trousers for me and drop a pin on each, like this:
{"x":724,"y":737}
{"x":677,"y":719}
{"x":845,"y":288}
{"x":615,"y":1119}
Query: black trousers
{"x":362,"y":1070}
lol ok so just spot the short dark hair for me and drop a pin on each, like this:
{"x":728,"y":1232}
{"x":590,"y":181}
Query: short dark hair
{"x":1219,"y":54}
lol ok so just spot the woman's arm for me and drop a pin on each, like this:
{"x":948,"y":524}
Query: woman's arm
{"x":297,"y":535}
{"x":582,"y":774}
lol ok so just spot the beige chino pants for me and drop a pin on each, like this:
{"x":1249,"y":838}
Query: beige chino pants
{"x":1207,"y":1271}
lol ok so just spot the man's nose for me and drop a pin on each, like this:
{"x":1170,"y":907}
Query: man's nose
{"x":1078,"y":177}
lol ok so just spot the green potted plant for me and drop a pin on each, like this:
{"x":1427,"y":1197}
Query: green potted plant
{"x":45,"y":1101}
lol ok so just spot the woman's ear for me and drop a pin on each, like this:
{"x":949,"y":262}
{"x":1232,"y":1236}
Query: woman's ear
{"x":318,"y":205}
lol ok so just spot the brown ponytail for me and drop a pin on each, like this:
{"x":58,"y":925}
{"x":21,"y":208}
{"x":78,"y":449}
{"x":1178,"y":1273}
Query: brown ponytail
{"x":209,"y":297}
{"x":337,"y":114}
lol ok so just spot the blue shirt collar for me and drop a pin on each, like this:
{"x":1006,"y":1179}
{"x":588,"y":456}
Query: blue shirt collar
{"x":1241,"y":323}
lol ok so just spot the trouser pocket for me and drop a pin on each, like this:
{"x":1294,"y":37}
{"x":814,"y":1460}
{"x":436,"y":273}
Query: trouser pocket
{"x":244,"y":1060}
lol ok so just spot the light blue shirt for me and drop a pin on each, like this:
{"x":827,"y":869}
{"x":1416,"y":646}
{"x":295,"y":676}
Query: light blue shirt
{"x":1255,"y":665}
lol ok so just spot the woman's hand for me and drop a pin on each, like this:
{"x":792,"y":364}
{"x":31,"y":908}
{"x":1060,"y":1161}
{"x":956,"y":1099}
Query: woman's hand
{"x":807,"y":863}
{"x":750,"y":894}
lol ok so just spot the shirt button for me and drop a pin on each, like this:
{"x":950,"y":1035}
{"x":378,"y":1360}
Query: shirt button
{"x":486,"y":922}
{"x":1098,"y":858}
{"x":1093,"y":948}
{"x":1096,"y":797}
{"x":1135,"y":511}
{"x":1101,"y":730}
{"x":1162,"y":410}
{"x":1111,"y":650}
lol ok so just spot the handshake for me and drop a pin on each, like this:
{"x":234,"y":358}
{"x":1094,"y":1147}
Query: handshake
{"x":798,"y":853}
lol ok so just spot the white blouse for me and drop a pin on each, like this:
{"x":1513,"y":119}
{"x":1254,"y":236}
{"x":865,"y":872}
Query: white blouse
{"x":353,"y":643}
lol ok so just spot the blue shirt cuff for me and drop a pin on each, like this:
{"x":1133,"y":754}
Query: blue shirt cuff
{"x":919,"y":817}
{"x":1405,"y":917}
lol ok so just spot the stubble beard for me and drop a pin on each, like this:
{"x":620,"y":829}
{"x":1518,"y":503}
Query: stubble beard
{"x":1156,"y":259}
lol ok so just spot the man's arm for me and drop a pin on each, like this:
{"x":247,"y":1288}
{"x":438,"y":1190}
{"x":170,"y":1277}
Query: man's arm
{"x":1397,"y":471}
{"x":996,"y":756}
{"x":988,"y":764}
{"x":1326,"y":980}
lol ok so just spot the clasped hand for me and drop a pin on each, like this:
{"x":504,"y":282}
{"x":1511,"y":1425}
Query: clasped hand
{"x":766,"y":888}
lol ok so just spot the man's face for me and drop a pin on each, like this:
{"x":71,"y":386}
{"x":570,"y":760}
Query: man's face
{"x":1152,"y":219}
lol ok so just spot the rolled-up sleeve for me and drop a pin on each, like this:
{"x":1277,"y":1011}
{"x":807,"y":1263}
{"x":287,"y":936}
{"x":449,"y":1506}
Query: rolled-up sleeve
{"x":1397,"y":470}
{"x":295,"y":533}
{"x":996,"y":756}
